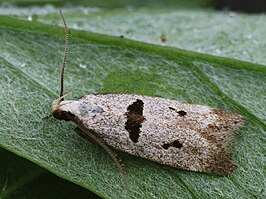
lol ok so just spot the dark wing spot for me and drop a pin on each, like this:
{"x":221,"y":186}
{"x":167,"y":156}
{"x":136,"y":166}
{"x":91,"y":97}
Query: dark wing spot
{"x":175,"y":144}
{"x":136,"y":107}
{"x":180,"y":113}
{"x":135,"y":117}
{"x":166,"y":146}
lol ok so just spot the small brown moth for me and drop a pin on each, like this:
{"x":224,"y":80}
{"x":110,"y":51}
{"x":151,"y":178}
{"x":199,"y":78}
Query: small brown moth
{"x":187,"y":136}
{"x":163,"y":38}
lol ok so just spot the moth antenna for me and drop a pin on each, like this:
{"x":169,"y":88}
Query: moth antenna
{"x":65,"y":56}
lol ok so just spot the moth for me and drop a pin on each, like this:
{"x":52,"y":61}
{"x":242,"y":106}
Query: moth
{"x":186,"y":136}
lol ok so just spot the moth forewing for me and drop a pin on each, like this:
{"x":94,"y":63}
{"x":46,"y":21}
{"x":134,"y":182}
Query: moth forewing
{"x":187,"y":136}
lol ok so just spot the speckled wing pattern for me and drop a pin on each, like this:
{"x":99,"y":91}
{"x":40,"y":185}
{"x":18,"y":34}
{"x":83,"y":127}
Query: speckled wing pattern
{"x":187,"y":136}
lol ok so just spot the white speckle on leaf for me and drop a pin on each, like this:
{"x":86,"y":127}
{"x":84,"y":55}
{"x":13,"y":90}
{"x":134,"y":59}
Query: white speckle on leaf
{"x":22,"y":65}
{"x":29,"y":18}
{"x":82,"y":65}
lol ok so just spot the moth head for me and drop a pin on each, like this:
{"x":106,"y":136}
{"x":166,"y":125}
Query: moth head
{"x":57,"y":112}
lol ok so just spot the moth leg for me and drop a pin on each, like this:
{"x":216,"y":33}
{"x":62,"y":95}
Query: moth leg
{"x":90,"y":135}
{"x":81,"y":133}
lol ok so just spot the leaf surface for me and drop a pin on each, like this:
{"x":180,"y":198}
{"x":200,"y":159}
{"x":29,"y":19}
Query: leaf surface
{"x":30,"y":56}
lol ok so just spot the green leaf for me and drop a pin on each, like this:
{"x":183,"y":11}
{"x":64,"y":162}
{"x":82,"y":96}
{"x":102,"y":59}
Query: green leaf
{"x":30,"y":56}
{"x":227,"y":34}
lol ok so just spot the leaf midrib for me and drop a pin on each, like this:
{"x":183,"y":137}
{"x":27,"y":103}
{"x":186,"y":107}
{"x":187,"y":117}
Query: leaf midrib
{"x":165,"y":51}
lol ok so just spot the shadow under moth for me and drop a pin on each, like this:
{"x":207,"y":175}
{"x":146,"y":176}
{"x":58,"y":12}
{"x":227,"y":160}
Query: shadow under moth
{"x":186,"y":136}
